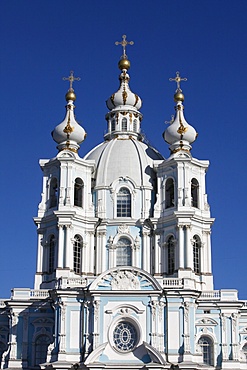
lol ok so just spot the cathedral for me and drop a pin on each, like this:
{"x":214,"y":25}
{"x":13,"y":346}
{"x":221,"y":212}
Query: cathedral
{"x":124,"y":272}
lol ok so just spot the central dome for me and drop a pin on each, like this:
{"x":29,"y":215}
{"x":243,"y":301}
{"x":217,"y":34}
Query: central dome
{"x":127,"y":158}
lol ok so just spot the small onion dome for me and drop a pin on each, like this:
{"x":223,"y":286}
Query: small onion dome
{"x":180,"y":134}
{"x":124,"y":96}
{"x":69,"y":134}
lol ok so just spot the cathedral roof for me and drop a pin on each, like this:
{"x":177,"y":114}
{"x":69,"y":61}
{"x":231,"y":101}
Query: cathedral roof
{"x":127,"y":158}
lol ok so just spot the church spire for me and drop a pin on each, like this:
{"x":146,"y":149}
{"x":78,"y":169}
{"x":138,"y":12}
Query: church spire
{"x":180,"y":134}
{"x":124,"y":117}
{"x":69,"y":134}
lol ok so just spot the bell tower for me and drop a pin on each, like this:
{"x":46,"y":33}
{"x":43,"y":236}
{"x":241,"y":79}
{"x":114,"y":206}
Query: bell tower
{"x":65,"y":219}
{"x":185,"y":223}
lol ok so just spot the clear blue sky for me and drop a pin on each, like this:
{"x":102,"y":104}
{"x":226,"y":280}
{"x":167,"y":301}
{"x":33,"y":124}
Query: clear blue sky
{"x":41,"y":41}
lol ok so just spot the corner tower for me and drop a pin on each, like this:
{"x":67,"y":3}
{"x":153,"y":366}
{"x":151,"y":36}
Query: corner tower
{"x":65,"y":219}
{"x":185,"y":221}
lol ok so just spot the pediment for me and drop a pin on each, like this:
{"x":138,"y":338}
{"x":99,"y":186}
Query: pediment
{"x":125,"y":278}
{"x":206,"y":321}
{"x":144,"y":353}
{"x":43,"y":321}
{"x":66,"y":154}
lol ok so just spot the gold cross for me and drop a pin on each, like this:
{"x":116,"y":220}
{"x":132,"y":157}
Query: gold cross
{"x":178,"y":79}
{"x":71,"y":79}
{"x":124,"y":43}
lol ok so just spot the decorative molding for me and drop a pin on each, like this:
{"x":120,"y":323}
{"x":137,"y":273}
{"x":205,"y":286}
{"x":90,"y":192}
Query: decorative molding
{"x":123,"y":229}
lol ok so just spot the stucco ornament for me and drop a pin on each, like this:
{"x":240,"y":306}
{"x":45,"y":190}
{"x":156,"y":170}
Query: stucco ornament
{"x":125,"y":280}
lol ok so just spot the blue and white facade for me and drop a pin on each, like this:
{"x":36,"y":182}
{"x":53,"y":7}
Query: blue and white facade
{"x":124,"y":271}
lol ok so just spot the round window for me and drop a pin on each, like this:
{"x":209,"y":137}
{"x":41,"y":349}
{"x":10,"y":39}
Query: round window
{"x":125,"y":336}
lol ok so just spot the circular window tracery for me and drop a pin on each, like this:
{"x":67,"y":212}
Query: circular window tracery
{"x":125,"y":336}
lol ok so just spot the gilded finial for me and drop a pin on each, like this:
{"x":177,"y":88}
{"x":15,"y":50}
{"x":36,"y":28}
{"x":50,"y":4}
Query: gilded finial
{"x":124,"y":43}
{"x":71,"y":79}
{"x":178,"y":79}
{"x":70,"y":94}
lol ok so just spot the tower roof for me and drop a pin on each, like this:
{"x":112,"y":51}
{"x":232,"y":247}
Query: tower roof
{"x":180,"y":134}
{"x":69,"y":134}
{"x":124,"y":96}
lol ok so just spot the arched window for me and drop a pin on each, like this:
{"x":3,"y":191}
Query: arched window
{"x":135,"y":125}
{"x":78,"y":192}
{"x":53,"y":193}
{"x":51,"y":254}
{"x":169,"y":193}
{"x":196,"y":253}
{"x":113,"y":125}
{"x":124,"y":124}
{"x":171,"y":255}
{"x":77,"y":250}
{"x":124,"y":252}
{"x":124,"y":203}
{"x":207,"y":350}
{"x":41,"y":346}
{"x":194,"y":192}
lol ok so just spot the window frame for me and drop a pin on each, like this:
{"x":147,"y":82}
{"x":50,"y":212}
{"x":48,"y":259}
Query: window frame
{"x":120,"y":246}
{"x":207,"y":349}
{"x":51,"y":254}
{"x":77,"y":254}
{"x":39,"y":359}
{"x":194,"y":193}
{"x":169,"y":193}
{"x":53,"y":192}
{"x":124,"y":124}
{"x":78,"y":192}
{"x":123,"y":203}
{"x":170,"y":255}
{"x":196,"y":254}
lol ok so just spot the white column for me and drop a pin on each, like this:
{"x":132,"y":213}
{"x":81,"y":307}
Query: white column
{"x":224,"y":337}
{"x":186,"y":327}
{"x":157,"y":256}
{"x":112,"y":255}
{"x":188,"y":249}
{"x":180,"y":246}
{"x":40,"y":252}
{"x":153,"y":305}
{"x":14,"y":318}
{"x":99,"y":250}
{"x":60,"y":246}
{"x":235,"y":346}
{"x":69,"y":193}
{"x":91,"y":259}
{"x":146,"y":251}
{"x":25,"y":340}
{"x":96,"y":306}
{"x":68,"y":248}
{"x":62,"y":333}
{"x":164,"y":258}
{"x":209,"y":257}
